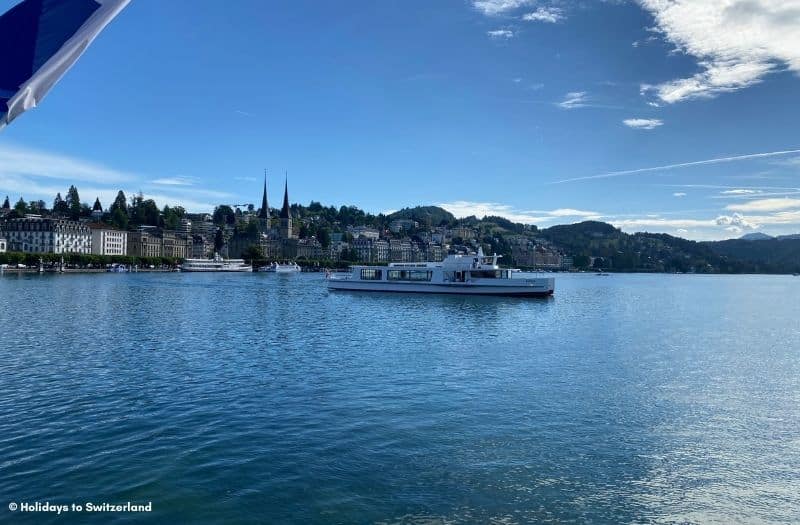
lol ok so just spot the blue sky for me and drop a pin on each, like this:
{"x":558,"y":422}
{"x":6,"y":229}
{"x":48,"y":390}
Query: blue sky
{"x":653,"y":115}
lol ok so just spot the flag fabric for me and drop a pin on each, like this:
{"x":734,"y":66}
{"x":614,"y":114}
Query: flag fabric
{"x":39,"y":41}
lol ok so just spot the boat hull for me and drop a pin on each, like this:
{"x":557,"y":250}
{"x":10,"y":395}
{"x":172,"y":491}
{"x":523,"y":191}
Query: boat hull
{"x":543,"y":289}
{"x":215,"y":270}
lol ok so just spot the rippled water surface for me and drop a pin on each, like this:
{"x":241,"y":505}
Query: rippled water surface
{"x":263,"y":398}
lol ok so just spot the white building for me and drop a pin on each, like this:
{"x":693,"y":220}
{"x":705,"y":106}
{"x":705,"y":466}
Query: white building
{"x":3,"y":245}
{"x":108,"y":241}
{"x":38,"y":235}
{"x":364,"y":231}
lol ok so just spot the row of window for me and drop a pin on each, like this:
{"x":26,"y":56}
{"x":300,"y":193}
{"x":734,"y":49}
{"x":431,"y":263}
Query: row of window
{"x":409,"y":275}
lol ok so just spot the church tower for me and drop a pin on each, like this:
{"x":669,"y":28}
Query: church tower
{"x":286,"y":215}
{"x":263,"y":213}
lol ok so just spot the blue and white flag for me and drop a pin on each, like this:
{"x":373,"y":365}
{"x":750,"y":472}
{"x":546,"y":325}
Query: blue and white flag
{"x":39,"y":41}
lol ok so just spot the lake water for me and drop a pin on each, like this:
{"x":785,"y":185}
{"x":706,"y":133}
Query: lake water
{"x":259,"y":398}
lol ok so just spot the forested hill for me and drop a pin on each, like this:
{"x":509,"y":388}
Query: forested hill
{"x":425,"y":215}
{"x":780,"y":255}
{"x":621,"y":251}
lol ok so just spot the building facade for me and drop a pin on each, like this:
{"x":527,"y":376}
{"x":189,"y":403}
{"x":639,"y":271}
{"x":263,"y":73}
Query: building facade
{"x":108,"y":241}
{"x":39,"y":235}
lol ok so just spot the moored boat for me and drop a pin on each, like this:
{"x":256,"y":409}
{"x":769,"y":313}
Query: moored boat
{"x":474,"y":274}
{"x":281,"y":268}
{"x":216,"y":264}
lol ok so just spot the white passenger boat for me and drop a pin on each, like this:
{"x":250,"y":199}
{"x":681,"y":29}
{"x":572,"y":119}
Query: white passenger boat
{"x":474,"y":274}
{"x":281,"y":268}
{"x":217,"y":264}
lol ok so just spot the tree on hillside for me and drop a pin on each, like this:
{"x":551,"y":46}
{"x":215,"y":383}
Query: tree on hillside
{"x":73,"y":202}
{"x":219,"y":240}
{"x":120,"y":203}
{"x":324,"y":237}
{"x":119,"y":211}
{"x":144,"y":212}
{"x":21,"y":207}
{"x":253,"y":253}
{"x":224,"y":214}
{"x":6,"y":204}
{"x":172,"y":217}
{"x":60,"y":208}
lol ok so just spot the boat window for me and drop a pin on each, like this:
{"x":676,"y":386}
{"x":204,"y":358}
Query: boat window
{"x":409,"y":275}
{"x":370,"y":274}
{"x":486,"y":274}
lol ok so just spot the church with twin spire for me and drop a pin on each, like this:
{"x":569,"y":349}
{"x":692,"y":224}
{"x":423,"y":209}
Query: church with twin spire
{"x":282,"y":228}
{"x":276,"y":234}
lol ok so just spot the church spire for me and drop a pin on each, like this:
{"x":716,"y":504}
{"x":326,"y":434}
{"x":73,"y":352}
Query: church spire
{"x":286,"y":212}
{"x":264,"y":212}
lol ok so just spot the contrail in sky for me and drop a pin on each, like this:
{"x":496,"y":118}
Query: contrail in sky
{"x":681,"y":165}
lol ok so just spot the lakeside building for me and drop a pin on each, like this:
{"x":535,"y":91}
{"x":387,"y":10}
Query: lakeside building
{"x":39,"y":235}
{"x":364,"y":231}
{"x":310,"y":249}
{"x":202,"y":247}
{"x":107,"y":240}
{"x":149,"y":241}
{"x":399,"y":225}
{"x":463,"y":232}
{"x":3,"y":244}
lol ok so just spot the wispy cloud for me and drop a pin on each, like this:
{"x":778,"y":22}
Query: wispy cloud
{"x":736,"y":43}
{"x":501,"y":34}
{"x":482,"y":209}
{"x":643,"y":123}
{"x":175,"y":181}
{"x":681,"y":165}
{"x":739,"y":191}
{"x":544,"y":14}
{"x":574,"y":100}
{"x":36,"y":174}
{"x":498,"y":7}
{"x":243,"y":113}
{"x":21,"y":161}
{"x":765,"y":205}
{"x":679,"y":194}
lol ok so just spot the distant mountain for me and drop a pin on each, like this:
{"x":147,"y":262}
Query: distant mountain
{"x":788,"y":237}
{"x":756,"y":236}
{"x":781,"y":255}
{"x":614,"y":249}
{"x":425,"y":215}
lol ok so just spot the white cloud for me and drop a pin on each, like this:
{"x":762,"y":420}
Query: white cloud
{"x":498,"y":7}
{"x":36,"y":174}
{"x":720,"y":160}
{"x":765,"y":205}
{"x":482,"y":209}
{"x":573,"y":100}
{"x":736,"y":42}
{"x":544,"y":14}
{"x":663,"y":224}
{"x":570,"y":212}
{"x":501,"y":34}
{"x":175,"y":181}
{"x":20,"y":161}
{"x":682,"y":230}
{"x":679,"y":194}
{"x":739,"y":191}
{"x":643,"y":123}
{"x":516,"y":80}
{"x":736,"y":220}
